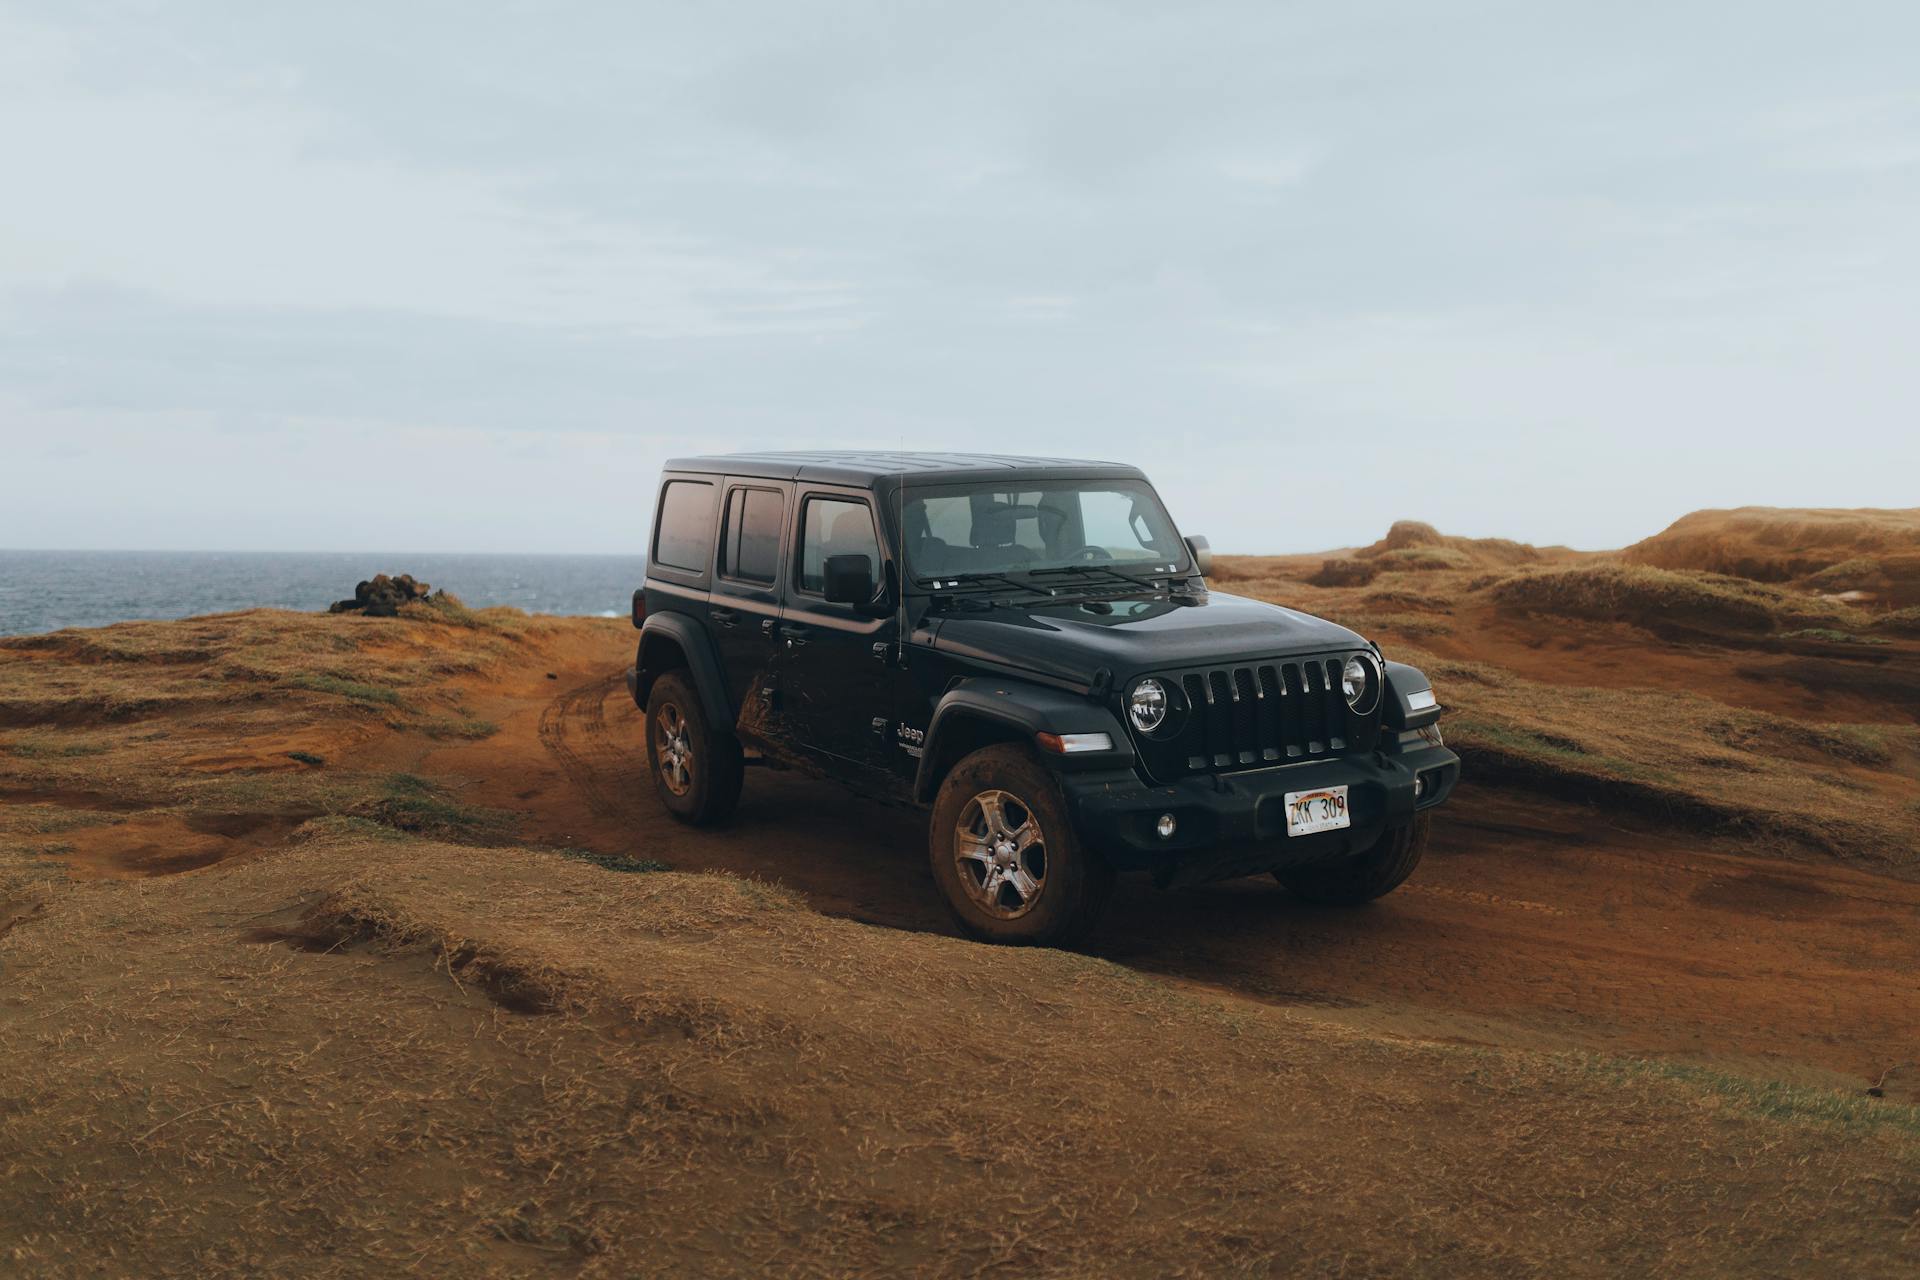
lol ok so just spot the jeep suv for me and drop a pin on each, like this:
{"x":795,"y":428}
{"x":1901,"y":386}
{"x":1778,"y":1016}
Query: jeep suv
{"x":1028,"y":648}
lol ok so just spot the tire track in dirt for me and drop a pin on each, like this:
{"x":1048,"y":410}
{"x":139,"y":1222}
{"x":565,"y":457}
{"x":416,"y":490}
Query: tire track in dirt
{"x":573,"y":728}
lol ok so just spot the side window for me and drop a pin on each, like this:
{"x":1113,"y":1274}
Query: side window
{"x":834,"y":527}
{"x":683,"y":535}
{"x":751,"y":544}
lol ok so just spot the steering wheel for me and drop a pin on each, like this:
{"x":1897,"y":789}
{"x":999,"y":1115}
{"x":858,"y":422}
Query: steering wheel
{"x":1090,"y":555}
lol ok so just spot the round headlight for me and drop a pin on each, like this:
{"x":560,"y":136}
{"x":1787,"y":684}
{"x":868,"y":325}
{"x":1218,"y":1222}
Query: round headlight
{"x":1147,"y":705}
{"x":1360,"y":681}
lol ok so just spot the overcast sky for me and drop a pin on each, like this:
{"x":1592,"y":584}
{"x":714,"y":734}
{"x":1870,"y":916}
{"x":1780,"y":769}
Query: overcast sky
{"x":460,"y":276}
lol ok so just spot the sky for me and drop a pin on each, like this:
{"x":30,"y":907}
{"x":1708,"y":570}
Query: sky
{"x":461,"y":276}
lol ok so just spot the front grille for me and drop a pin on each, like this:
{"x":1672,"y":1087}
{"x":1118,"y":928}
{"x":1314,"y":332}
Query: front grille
{"x":1257,"y":715}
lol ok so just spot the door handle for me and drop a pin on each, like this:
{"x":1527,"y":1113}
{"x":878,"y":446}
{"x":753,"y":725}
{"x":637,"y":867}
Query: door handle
{"x":794,"y":636}
{"x":725,"y":617}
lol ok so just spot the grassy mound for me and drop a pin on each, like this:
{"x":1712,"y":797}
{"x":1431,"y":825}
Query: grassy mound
{"x":1868,"y":550}
{"x":1664,"y":600}
{"x":1784,"y":785}
{"x":1412,"y":546}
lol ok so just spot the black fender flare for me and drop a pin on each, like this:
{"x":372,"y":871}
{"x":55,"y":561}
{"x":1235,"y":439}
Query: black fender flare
{"x":1027,"y":709}
{"x":703,"y":664}
{"x":1403,"y":682}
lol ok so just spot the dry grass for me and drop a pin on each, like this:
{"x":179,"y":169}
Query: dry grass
{"x":1901,"y":622}
{"x":1779,"y":544}
{"x":1872,"y":556}
{"x":414,"y":1055}
{"x":1668,"y":601}
{"x":1786,"y":784}
{"x":224,"y":733}
{"x":380,"y":1042}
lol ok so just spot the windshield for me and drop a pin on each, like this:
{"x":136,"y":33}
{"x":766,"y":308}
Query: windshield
{"x":991,"y":527}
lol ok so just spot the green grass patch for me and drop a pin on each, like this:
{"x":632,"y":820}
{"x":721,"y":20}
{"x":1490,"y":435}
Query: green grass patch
{"x":609,"y":861}
{"x":1760,"y":731}
{"x":1901,"y":622}
{"x":352,"y":690}
{"x":1831,"y":636}
{"x":1770,"y":1098}
{"x":445,"y":610}
{"x":1550,"y":748}
{"x":51,"y":819}
{"x":40,"y":748}
{"x":463,"y":728}
{"x":408,"y":802}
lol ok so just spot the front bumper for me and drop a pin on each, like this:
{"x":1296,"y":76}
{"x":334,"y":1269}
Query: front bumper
{"x":1235,"y":824}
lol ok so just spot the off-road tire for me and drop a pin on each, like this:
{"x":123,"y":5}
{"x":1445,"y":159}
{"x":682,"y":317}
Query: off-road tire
{"x":1361,"y":877}
{"x":1076,"y":882}
{"x":709,"y":788}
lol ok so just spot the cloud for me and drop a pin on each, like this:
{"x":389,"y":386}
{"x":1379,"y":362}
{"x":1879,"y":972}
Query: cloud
{"x":1487,"y":256}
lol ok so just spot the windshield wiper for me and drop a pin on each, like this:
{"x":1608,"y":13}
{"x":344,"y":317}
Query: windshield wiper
{"x":1109,"y":575}
{"x":946,"y":582}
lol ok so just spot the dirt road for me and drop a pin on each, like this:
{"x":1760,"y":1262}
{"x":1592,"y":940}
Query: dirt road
{"x":1532,"y":922}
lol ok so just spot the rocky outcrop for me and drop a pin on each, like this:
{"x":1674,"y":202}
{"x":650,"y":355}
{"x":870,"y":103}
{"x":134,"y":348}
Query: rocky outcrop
{"x":382,"y":596}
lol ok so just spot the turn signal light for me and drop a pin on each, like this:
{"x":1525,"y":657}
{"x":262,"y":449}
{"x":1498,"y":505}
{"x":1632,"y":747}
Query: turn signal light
{"x":1070,"y":744}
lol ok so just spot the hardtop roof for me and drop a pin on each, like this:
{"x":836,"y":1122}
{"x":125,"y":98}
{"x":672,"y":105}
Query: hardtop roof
{"x":863,"y":467}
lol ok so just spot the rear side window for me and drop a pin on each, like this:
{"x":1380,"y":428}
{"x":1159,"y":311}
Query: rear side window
{"x":834,"y":528}
{"x":683,"y":536}
{"x":751,"y":546}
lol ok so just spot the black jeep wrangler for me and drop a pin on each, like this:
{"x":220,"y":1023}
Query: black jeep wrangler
{"x":1027,"y":646}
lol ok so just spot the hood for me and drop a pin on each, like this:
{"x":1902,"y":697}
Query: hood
{"x":1071,"y":640}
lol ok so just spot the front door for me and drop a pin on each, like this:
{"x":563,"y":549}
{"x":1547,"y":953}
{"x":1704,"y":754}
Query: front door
{"x":837,"y":678}
{"x":743,"y":610}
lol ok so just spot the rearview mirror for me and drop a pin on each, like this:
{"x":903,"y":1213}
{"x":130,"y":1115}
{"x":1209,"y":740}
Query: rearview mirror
{"x":849,"y":579}
{"x":1202,"y":555}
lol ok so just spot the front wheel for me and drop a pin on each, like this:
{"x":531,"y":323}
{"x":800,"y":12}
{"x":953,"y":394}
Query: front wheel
{"x":1005,"y":857}
{"x":1364,"y":876}
{"x":696,"y":772}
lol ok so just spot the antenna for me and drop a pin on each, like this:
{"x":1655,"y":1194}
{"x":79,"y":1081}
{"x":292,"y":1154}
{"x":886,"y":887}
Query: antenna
{"x":900,"y":553}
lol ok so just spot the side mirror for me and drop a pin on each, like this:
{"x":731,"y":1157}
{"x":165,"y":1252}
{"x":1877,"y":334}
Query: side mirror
{"x":1202,"y":555}
{"x":850,"y":579}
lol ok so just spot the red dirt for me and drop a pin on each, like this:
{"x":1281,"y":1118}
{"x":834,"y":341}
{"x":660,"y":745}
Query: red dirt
{"x":1532,"y":922}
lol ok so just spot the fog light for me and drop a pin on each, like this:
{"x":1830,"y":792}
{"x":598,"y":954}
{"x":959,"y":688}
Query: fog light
{"x":1419,"y":785}
{"x":1166,"y":826}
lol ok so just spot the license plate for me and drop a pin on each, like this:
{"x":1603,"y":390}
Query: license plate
{"x":1323,"y":810}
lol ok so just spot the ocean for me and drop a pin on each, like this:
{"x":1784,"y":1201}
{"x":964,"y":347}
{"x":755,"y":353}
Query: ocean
{"x":48,"y":590}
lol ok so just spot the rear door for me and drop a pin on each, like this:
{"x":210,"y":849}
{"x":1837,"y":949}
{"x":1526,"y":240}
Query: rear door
{"x":743,"y":610}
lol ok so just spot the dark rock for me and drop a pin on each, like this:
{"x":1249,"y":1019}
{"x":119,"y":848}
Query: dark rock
{"x":382,"y":596}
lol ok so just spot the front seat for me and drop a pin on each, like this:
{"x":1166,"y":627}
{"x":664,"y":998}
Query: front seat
{"x":993,"y":533}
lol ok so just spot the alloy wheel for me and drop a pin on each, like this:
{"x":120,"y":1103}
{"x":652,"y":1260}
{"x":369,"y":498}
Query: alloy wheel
{"x":672,"y":750}
{"x":1001,"y":853}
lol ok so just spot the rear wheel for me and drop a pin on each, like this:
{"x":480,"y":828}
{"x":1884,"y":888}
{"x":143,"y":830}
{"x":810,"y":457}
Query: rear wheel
{"x":696,"y":772}
{"x":1005,"y":857}
{"x":1361,"y":877}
